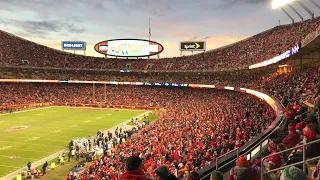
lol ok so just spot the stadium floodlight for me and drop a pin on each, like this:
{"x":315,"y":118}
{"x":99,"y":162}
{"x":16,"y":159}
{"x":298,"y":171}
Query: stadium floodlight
{"x":295,"y":11}
{"x":279,"y":3}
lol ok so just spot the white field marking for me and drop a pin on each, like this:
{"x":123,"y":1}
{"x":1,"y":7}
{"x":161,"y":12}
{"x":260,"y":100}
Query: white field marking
{"x":105,"y":108}
{"x":27,"y":110}
{"x":55,"y":131}
{"x":10,"y":166}
{"x":32,"y":139}
{"x":39,"y":114}
{"x":30,"y":150}
{"x":87,"y":121}
{"x":29,"y":143}
{"x":36,"y":134}
{"x":5,"y":148}
{"x":18,"y":157}
{"x":75,"y":125}
{"x":61,"y":128}
{"x":39,"y":134}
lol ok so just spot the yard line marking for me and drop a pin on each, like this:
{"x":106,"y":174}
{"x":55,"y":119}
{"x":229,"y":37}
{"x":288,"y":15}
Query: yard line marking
{"x":5,"y":147}
{"x":30,"y":150}
{"x":32,"y":139}
{"x":29,"y":143}
{"x":23,"y":133}
{"x":18,"y":157}
{"x":27,"y":110}
{"x":72,"y":107}
{"x":10,"y":166}
{"x":55,"y":131}
{"x":45,"y":139}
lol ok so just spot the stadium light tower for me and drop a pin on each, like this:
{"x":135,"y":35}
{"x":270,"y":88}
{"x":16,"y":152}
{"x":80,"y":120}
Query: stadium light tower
{"x":306,"y":9}
{"x":296,"y":11}
{"x":281,"y":3}
{"x":292,"y":19}
{"x":314,"y":3}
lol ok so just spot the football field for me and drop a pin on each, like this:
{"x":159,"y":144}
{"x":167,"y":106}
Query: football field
{"x":37,"y":133}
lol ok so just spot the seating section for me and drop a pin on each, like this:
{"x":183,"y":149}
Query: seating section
{"x":198,"y":125}
{"x":298,"y":92}
{"x":213,"y":122}
{"x":15,"y":51}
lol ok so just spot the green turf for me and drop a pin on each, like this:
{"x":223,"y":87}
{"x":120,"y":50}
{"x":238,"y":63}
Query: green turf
{"x":49,"y":131}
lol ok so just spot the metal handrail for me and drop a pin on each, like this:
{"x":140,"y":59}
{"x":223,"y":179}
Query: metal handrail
{"x":250,"y":150}
{"x":223,"y":155}
{"x":297,"y":163}
{"x":290,"y":149}
{"x":217,"y":161}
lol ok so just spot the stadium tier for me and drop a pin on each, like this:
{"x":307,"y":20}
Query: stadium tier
{"x":258,"y":48}
{"x":194,"y":127}
{"x":212,"y":121}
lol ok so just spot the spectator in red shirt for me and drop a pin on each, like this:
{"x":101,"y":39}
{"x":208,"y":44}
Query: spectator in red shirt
{"x":134,"y":168}
{"x":292,"y":138}
{"x":274,"y":161}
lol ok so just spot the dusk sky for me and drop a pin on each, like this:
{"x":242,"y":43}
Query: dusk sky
{"x":219,"y":22}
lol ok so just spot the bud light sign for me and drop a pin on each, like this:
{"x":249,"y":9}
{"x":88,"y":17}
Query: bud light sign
{"x":73,"y":45}
{"x":279,"y":58}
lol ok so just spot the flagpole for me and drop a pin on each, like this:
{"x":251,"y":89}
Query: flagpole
{"x":149,"y":34}
{"x":149,"y":29}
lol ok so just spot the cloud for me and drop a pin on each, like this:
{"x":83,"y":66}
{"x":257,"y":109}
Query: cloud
{"x":181,"y":33}
{"x":207,"y":37}
{"x":44,"y":27}
{"x":222,"y":40}
{"x":193,"y":38}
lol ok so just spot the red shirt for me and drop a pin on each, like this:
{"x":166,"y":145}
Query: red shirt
{"x":275,"y":159}
{"x":291,"y":140}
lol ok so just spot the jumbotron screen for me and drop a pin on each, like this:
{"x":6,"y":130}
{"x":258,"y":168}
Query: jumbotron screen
{"x":129,"y":47}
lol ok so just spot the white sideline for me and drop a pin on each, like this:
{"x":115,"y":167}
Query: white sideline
{"x":27,"y":110}
{"x":13,"y":175}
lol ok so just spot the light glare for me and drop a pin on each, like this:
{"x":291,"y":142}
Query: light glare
{"x":279,"y":3}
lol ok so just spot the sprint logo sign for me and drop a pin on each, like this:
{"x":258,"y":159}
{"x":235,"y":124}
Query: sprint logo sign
{"x":193,"y":46}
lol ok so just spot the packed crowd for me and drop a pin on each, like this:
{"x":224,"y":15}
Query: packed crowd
{"x":218,"y":78}
{"x":298,"y":91}
{"x":258,"y":48}
{"x":213,"y":122}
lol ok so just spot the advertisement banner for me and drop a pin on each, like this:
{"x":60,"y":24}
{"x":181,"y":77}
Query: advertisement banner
{"x":279,"y":58}
{"x":73,"y":45}
{"x":193,"y":46}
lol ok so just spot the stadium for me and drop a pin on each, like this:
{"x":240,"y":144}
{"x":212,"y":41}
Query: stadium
{"x":248,"y":110}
